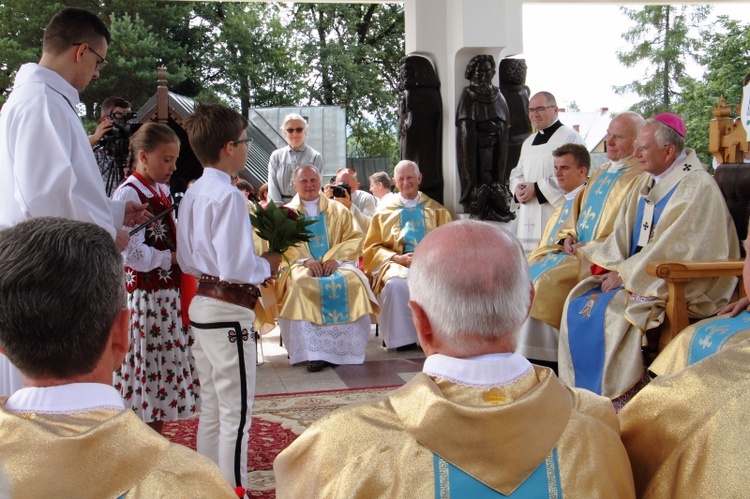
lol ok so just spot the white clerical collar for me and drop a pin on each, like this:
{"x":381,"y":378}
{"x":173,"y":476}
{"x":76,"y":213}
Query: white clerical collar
{"x":616,"y":165}
{"x":410,"y":203}
{"x":495,"y":369}
{"x":311,"y":207}
{"x":572,"y":194}
{"x":72,"y":398}
{"x":662,"y":175}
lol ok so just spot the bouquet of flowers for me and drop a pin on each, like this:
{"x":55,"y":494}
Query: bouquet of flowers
{"x":282,"y":227}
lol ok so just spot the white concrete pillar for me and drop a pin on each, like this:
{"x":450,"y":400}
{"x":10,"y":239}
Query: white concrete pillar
{"x":451,"y":32}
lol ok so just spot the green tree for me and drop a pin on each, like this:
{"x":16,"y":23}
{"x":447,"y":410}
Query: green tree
{"x":353,"y":51}
{"x":724,"y":54}
{"x":661,"y":41}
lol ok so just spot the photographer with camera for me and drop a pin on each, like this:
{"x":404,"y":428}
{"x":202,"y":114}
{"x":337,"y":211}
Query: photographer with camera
{"x":345,"y":190}
{"x":111,"y":140}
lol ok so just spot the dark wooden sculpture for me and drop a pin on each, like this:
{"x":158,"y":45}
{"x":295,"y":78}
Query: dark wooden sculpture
{"x":517,"y":94}
{"x":482,"y":128}
{"x":420,"y":121}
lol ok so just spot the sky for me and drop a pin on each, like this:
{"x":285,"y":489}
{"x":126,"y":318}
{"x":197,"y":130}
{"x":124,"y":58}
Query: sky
{"x":570,"y":51}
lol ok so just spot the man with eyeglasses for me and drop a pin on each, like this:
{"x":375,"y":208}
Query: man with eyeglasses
{"x":673,"y":212}
{"x":47,"y":167}
{"x":532,"y":181}
{"x":284,"y":161}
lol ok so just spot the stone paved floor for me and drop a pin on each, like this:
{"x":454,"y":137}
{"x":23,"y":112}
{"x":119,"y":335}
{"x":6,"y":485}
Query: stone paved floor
{"x":381,"y":368}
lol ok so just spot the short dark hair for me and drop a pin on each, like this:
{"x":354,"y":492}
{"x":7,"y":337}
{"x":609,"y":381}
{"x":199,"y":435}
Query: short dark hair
{"x":110,"y":103}
{"x":579,"y":153}
{"x":73,"y":25}
{"x":209,"y":129}
{"x":62,"y":284}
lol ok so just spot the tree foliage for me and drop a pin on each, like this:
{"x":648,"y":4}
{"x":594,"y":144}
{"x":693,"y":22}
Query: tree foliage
{"x":724,"y":54}
{"x":661,"y":41}
{"x":245,"y":54}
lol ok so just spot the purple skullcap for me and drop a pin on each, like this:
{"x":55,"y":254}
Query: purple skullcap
{"x":672,"y":121}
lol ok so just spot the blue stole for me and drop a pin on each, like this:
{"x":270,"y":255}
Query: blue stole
{"x":564,"y":213}
{"x":586,"y":337}
{"x":412,"y":225}
{"x":549,"y":261}
{"x":639,"y":218}
{"x":318,"y":244}
{"x":334,"y":296}
{"x":588,"y":220}
{"x":711,"y":336}
{"x":452,"y":482}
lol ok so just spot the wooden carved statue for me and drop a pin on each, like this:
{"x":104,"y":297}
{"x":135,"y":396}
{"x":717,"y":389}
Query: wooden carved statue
{"x":517,"y":94}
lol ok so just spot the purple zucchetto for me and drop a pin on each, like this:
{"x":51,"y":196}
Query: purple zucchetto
{"x":672,"y":121}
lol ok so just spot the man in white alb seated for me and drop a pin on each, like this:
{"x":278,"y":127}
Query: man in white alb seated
{"x":324,"y":300}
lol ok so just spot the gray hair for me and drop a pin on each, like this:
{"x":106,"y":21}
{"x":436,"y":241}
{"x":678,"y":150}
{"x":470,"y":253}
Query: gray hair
{"x":478,"y":290}
{"x":304,"y":167}
{"x":403,"y":164}
{"x":665,"y":135}
{"x":382,"y":178}
{"x":293,"y":117}
{"x":62,"y":284}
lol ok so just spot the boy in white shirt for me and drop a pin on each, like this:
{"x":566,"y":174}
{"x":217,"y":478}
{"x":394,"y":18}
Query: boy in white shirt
{"x":215,"y":244}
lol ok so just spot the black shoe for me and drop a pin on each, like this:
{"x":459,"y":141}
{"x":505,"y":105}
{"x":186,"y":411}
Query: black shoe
{"x":317,"y":365}
{"x":406,"y":348}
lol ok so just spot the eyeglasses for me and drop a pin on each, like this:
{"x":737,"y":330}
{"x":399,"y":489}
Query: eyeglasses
{"x":299,"y":129}
{"x":637,"y":147}
{"x":102,"y":61}
{"x":247,"y":142}
{"x":539,"y":109}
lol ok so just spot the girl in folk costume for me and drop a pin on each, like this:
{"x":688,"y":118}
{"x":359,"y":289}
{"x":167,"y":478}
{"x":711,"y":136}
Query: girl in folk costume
{"x":157,"y":378}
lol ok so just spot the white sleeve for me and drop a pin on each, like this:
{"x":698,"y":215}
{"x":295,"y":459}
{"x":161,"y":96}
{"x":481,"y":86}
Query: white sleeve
{"x":137,"y":254}
{"x":274,"y":193}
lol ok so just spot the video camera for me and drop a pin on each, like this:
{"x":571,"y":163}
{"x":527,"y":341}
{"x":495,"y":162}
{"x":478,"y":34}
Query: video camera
{"x":116,"y":144}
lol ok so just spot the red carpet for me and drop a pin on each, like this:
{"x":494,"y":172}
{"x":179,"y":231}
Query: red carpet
{"x":277,"y":420}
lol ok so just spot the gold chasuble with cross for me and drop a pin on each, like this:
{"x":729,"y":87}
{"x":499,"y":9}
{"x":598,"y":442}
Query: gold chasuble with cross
{"x":396,"y":230}
{"x":601,"y":333}
{"x":344,"y":296}
{"x":433,"y":438}
{"x":592,"y":220}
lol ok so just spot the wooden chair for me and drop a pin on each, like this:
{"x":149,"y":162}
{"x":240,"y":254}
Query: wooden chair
{"x":678,"y":274}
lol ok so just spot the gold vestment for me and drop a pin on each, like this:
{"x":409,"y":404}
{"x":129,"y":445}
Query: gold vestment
{"x":298,"y":292}
{"x":553,"y":285}
{"x":686,"y":434}
{"x":499,"y":436}
{"x":104,"y":453}
{"x":385,"y":238}
{"x":695,"y":209}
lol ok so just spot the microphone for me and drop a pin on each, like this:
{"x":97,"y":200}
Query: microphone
{"x":177,"y":186}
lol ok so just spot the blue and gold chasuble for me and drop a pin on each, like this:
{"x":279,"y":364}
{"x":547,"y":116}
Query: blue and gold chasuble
{"x":586,"y":316}
{"x":334,"y":306}
{"x":551,"y":259}
{"x":588,"y":220}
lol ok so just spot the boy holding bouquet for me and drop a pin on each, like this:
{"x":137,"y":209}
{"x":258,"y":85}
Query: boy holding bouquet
{"x":215,"y":244}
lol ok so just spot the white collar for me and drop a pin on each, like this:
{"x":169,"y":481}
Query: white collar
{"x":72,"y":398}
{"x":662,"y":175}
{"x":572,"y":194}
{"x":616,"y":166}
{"x":410,"y":203}
{"x":215,"y":172}
{"x":34,"y":72}
{"x":311,"y":207}
{"x":495,"y":369}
